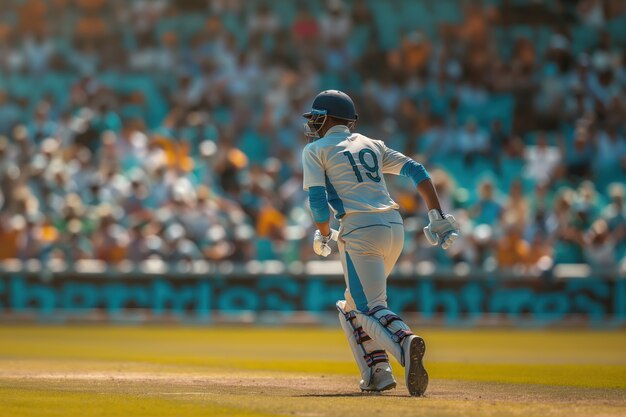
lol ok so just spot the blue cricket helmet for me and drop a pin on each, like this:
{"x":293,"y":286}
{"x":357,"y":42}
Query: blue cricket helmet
{"x":333,"y":103}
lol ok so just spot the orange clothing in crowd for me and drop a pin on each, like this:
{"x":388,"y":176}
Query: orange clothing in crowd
{"x":512,"y":250}
{"x":270,"y":221}
{"x":8,"y":248}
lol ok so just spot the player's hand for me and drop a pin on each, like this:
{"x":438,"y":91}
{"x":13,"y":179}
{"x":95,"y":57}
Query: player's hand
{"x":320,"y":243}
{"x":441,"y":230}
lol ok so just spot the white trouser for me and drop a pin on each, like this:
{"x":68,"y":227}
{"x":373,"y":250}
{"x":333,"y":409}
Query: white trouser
{"x":369,"y":246}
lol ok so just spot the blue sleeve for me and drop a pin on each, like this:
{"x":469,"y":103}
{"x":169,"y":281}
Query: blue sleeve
{"x":319,"y":204}
{"x":415,"y":171}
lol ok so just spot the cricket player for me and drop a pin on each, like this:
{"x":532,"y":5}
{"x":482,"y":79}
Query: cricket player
{"x":345,"y":169}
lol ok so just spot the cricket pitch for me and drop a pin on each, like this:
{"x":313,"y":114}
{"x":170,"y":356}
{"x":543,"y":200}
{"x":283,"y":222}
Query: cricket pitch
{"x":248,"y":371}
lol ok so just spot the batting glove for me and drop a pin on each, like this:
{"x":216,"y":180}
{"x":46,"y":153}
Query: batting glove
{"x":441,"y":230}
{"x":320,"y":243}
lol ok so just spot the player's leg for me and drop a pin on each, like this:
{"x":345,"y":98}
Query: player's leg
{"x":366,"y":278}
{"x":367,"y":281}
{"x":394,"y":250}
{"x":371,"y":358}
{"x":416,"y":377}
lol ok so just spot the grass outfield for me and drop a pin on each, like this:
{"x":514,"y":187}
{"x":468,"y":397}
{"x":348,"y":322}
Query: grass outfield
{"x":182,"y":371}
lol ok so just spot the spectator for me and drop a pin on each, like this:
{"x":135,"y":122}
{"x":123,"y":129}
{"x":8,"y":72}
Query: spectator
{"x":541,"y":160}
{"x":512,"y":250}
{"x":615,"y":216}
{"x":73,"y":245}
{"x":516,"y":209}
{"x":600,"y":248}
{"x":611,"y":150}
{"x":305,"y":27}
{"x":498,"y":142}
{"x":10,"y":229}
{"x":473,"y":142}
{"x":38,"y":50}
{"x":139,"y":130}
{"x":540,"y":253}
{"x":335,"y":23}
{"x":437,"y":141}
{"x":263,"y":22}
{"x":110,"y":241}
{"x":412,"y":55}
{"x":362,"y":15}
{"x":487,"y":210}
{"x":578,"y":158}
{"x":9,"y":113}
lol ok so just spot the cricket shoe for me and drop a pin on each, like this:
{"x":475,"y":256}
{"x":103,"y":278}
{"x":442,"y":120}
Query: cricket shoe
{"x":382,"y":379}
{"x":414,"y":372}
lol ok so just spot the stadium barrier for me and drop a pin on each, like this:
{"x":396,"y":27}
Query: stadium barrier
{"x":275,"y":293}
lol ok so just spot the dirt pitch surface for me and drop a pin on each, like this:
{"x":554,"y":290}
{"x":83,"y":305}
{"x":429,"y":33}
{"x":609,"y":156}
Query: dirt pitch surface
{"x":170,"y":371}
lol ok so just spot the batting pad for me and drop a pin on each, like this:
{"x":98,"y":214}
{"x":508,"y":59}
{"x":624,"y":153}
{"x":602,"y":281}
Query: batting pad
{"x":367,"y":352}
{"x":386,"y":328}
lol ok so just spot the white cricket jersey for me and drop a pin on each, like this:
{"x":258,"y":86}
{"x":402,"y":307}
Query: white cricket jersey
{"x":351,"y":167}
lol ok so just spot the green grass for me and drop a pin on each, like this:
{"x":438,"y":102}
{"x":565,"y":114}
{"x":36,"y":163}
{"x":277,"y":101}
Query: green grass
{"x":46,"y":371}
{"x":34,"y":403}
{"x":585,"y":359}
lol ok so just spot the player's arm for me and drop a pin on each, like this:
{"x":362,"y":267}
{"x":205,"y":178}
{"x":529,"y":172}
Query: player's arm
{"x":318,"y":202}
{"x":397,"y":163}
{"x":427,"y":191}
{"x":314,"y":182}
{"x":443,"y":229}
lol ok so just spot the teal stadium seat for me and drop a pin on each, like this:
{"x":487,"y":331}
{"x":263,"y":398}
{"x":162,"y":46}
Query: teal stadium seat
{"x":167,"y":24}
{"x":329,"y":80}
{"x":24,"y":86}
{"x":57,"y":85}
{"x":9,"y":16}
{"x":4,"y":81}
{"x":492,"y":3}
{"x":500,"y":107}
{"x":448,"y":11}
{"x":252,"y":5}
{"x":129,"y":40}
{"x":512,"y":169}
{"x":617,"y":29}
{"x":265,"y":250}
{"x":583,"y":38}
{"x":222,"y":115}
{"x":359,"y":40}
{"x":354,"y":82}
{"x":417,"y":15}
{"x":503,"y":41}
{"x":232,"y":24}
{"x":542,"y":40}
{"x":255,"y":146}
{"x":189,"y":25}
{"x":438,"y":103}
{"x":386,"y":21}
{"x":456,"y":168}
{"x":155,"y":107}
{"x":286,"y":13}
{"x":523,"y":32}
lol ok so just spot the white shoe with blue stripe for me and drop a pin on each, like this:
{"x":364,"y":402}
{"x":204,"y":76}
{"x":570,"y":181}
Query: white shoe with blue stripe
{"x":382,"y":379}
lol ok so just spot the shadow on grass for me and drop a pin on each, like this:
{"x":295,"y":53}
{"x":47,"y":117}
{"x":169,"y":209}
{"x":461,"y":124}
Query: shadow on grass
{"x":350,"y":394}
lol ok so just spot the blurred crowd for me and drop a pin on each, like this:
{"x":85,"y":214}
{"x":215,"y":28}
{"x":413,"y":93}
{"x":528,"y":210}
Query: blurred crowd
{"x":162,"y":129}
